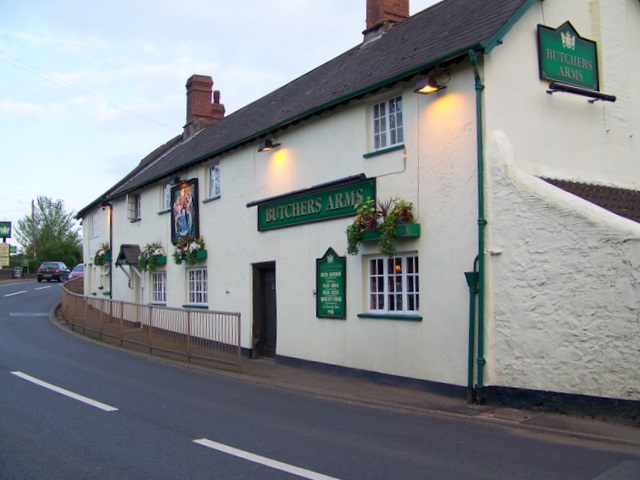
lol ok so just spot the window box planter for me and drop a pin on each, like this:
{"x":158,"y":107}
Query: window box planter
{"x":201,"y":254}
{"x":160,"y":260}
{"x":405,"y":230}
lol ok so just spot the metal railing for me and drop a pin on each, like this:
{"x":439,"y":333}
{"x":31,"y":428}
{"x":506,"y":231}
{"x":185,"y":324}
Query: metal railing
{"x":193,"y":334}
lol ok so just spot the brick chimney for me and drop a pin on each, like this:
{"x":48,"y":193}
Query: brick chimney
{"x":200,"y":111}
{"x":384,"y":14}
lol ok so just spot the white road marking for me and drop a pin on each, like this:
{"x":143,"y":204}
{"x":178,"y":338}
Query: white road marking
{"x":28,"y":314}
{"x":42,"y":288}
{"x":62,"y":391}
{"x":300,"y":472}
{"x":15,"y":293}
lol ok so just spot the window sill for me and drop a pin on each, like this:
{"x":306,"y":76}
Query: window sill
{"x":383,"y":151}
{"x":199,"y":306}
{"x":391,"y":316}
{"x":166,"y":210}
{"x":134,"y":220}
{"x":159,"y":304}
{"x":210,"y":199}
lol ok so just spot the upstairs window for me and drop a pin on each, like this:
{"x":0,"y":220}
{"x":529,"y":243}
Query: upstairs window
{"x":134,"y":205}
{"x":214,"y":181}
{"x":387,"y":123}
{"x":95,"y":229}
{"x":165,"y":199}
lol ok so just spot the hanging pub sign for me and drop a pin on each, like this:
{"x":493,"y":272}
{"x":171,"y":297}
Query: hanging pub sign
{"x":5,"y":229}
{"x":331,"y":280}
{"x":323,"y":202}
{"x":564,"y":56}
{"x":185,"y":222}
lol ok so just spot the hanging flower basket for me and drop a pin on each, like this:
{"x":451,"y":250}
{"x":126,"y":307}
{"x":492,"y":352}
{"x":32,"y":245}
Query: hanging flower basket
{"x":189,"y":250}
{"x":151,"y":255}
{"x":383,"y":223}
{"x":103,"y":255}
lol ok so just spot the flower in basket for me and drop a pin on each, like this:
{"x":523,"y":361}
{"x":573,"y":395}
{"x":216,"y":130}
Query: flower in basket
{"x":187,"y":249}
{"x":148,"y":256}
{"x":382,"y":218}
{"x":99,"y":258}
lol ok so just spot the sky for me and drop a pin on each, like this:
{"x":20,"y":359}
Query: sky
{"x":88,"y":89}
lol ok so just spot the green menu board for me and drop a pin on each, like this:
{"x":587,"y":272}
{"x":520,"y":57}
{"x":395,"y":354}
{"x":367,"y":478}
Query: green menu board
{"x":331,"y":279}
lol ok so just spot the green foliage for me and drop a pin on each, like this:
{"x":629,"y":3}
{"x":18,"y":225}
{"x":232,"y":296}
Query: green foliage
{"x":366,"y":219}
{"x":382,"y":218}
{"x":50,"y":233}
{"x":148,"y":255}
{"x":99,"y":258}
{"x":187,"y":250}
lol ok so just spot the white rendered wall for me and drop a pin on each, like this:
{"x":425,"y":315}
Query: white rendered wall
{"x":565,"y":278}
{"x":439,"y":151}
{"x":562,"y":135}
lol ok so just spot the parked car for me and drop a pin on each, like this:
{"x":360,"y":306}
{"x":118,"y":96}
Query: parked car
{"x":52,"y":271}
{"x":77,"y":271}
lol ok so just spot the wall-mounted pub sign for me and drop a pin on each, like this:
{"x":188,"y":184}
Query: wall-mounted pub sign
{"x":564,"y":56}
{"x":331,"y":279}
{"x":185,"y":220}
{"x":322,"y":202}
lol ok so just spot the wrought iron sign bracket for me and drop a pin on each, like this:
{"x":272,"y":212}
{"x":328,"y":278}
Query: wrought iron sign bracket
{"x":593,"y":95}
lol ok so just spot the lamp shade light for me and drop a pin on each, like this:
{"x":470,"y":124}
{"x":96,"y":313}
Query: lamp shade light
{"x":428,"y":85}
{"x":267,"y":145}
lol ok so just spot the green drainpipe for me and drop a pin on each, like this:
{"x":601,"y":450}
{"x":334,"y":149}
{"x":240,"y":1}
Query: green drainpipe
{"x":472,"y":282}
{"x":480,"y":361}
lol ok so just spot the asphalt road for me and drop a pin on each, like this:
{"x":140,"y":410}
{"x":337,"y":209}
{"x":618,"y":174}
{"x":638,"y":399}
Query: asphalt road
{"x":70,"y":408}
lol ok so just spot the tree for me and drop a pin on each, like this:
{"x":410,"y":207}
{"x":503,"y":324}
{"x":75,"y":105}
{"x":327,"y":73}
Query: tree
{"x":50,"y":233}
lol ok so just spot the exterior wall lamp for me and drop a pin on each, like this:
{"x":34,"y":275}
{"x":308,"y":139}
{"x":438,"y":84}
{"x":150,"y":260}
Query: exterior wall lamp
{"x":428,"y":85}
{"x":267,"y":145}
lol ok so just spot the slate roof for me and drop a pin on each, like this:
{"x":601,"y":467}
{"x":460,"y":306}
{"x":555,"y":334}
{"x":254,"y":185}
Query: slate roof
{"x":621,"y":201}
{"x":440,"y":33}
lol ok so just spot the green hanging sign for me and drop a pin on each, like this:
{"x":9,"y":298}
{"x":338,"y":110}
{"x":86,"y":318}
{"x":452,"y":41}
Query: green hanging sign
{"x":564,"y":56}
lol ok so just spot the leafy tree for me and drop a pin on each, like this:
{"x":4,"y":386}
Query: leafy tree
{"x":50,"y":233}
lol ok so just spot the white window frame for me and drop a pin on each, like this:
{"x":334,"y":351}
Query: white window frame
{"x":394,"y":285}
{"x":95,"y":225}
{"x":134,"y":207}
{"x":214,"y":181}
{"x":197,"y":287}
{"x":159,"y":287}
{"x":165,"y":199}
{"x":387,"y":123}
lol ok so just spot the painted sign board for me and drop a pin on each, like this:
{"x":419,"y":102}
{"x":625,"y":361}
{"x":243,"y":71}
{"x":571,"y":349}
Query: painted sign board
{"x":564,"y":56}
{"x":314,"y":205}
{"x":331,"y":281}
{"x":4,"y":254}
{"x":5,"y":229}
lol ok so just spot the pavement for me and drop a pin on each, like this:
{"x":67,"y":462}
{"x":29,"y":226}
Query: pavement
{"x":365,"y":391}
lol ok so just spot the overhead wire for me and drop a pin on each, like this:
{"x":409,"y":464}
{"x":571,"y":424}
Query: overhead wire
{"x":35,"y":71}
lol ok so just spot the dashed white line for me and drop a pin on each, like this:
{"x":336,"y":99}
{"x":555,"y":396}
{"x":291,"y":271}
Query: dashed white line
{"x":15,"y":293}
{"x":68,"y":393}
{"x":285,"y":467}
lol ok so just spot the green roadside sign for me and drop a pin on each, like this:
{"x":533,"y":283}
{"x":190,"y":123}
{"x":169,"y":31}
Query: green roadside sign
{"x":5,"y":229}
